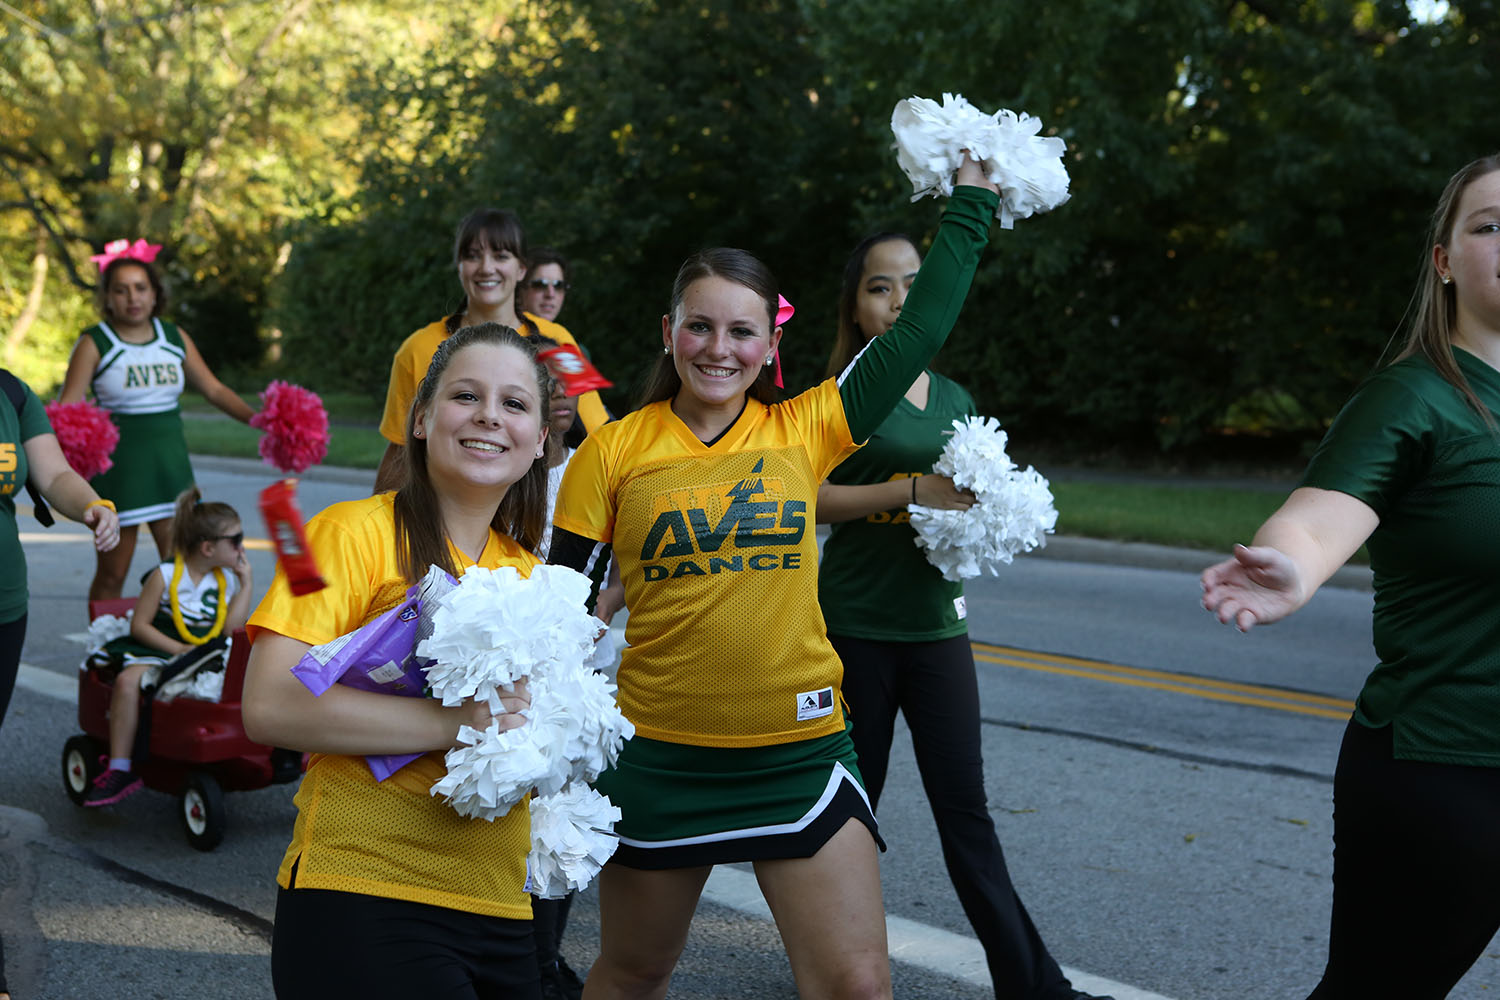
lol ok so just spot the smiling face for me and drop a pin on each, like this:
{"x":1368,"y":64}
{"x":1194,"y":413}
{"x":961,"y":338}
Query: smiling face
{"x":490,"y":276}
{"x":889,"y":269}
{"x":543,"y":291}
{"x":129,"y":296}
{"x":484,"y":425}
{"x":1471,"y":257}
{"x":720,"y":337}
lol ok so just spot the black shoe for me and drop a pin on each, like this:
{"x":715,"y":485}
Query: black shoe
{"x":1080,"y":995}
{"x":572,"y":986}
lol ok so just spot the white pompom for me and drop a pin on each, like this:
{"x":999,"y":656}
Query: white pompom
{"x":493,"y":629}
{"x":572,"y":836}
{"x":106,"y":628}
{"x":1028,"y":168}
{"x":1014,"y":512}
{"x":496,"y":627}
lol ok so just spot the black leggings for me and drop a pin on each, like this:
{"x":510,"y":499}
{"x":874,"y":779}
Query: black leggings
{"x":12,"y":637}
{"x":933,"y":685}
{"x":1416,"y":871}
{"x":345,"y":944}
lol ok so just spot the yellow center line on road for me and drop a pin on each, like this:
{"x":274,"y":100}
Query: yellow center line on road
{"x":1198,"y":687}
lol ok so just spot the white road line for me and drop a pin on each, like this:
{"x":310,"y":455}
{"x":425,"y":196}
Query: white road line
{"x":930,"y":948}
{"x":64,"y":687}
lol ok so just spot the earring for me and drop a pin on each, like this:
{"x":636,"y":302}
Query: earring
{"x":1447,"y":279}
{"x":539,"y":453}
{"x":769,"y":359}
{"x":666,"y":350}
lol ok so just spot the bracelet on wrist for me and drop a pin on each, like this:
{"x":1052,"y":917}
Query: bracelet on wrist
{"x":914,"y":488}
{"x":101,"y":502}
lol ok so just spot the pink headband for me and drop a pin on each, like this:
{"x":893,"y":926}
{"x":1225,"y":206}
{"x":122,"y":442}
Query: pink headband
{"x":784,"y":311}
{"x":115,"y":249}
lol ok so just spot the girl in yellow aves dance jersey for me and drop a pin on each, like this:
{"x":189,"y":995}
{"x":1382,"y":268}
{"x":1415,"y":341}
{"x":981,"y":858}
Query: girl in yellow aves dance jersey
{"x":385,"y":890}
{"x":490,"y":255}
{"x":742,"y":750}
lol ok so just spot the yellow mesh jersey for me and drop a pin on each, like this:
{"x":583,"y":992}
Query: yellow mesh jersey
{"x":414,"y":355}
{"x":388,"y":838}
{"x":720,"y":564}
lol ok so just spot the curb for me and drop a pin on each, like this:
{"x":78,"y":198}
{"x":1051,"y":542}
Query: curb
{"x":256,"y":467}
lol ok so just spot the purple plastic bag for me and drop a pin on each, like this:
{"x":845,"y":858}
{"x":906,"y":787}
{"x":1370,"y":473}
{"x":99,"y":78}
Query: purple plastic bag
{"x":378,"y":656}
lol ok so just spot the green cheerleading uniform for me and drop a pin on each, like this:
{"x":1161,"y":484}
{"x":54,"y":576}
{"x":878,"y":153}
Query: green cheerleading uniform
{"x":1410,"y":446}
{"x":873,"y":581}
{"x":139,"y":384}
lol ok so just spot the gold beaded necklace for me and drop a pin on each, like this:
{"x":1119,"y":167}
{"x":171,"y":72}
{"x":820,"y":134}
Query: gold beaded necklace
{"x":176,"y":605}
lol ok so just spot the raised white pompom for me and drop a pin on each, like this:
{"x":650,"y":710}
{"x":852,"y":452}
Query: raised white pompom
{"x":572,"y":836}
{"x":1027,"y":167}
{"x":1014,"y":512}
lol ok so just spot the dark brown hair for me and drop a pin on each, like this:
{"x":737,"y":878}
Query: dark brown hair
{"x":1434,"y":308}
{"x":547,"y":255}
{"x":492,"y":227}
{"x":194,"y":521}
{"x":421,"y":540}
{"x":850,"y":338}
{"x":101,"y":290}
{"x":740,"y":267}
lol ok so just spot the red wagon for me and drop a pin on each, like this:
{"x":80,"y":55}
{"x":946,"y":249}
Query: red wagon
{"x":198,"y":749}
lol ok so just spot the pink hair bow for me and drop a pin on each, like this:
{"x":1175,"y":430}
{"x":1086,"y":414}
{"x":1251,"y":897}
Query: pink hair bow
{"x":784,"y":311}
{"x":139,"y":250}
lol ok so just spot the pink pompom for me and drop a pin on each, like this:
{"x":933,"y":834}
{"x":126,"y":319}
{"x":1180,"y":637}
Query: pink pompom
{"x":87,"y":435}
{"x":295,"y":425}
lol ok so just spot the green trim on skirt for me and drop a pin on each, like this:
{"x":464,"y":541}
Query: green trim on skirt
{"x":150,"y":466}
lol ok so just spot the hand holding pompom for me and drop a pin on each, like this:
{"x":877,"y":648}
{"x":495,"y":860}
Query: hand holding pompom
{"x":86,"y":434}
{"x":1013,"y":512}
{"x":931,"y":140}
{"x":295,"y":425}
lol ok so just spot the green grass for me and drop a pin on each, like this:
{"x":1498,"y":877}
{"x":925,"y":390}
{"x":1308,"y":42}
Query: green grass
{"x":342,"y":407}
{"x":1197,"y":517}
{"x":357,"y":447}
{"x":1211,"y":518}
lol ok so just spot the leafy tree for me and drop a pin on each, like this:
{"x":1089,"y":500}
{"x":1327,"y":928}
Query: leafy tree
{"x":1250,"y":182}
{"x":207,"y":127}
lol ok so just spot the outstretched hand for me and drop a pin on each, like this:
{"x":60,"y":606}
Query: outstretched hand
{"x":1257,"y":586}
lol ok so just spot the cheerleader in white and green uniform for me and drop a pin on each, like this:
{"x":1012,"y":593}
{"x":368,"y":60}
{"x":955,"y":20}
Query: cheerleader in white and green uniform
{"x":137,"y":366}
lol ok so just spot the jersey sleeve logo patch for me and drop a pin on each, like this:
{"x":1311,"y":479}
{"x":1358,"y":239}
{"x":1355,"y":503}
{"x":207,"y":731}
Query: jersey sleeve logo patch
{"x":814,"y":704}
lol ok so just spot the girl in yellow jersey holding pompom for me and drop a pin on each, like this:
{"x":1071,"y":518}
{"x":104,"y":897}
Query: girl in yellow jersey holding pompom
{"x":385,"y":890}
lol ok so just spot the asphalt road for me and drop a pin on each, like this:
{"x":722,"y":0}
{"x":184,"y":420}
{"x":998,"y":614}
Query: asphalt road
{"x":1161,"y":785}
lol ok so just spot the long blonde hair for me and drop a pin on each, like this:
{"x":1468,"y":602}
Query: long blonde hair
{"x":1434,"y":308}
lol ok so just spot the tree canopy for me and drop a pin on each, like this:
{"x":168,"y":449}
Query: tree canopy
{"x":1251,"y":180}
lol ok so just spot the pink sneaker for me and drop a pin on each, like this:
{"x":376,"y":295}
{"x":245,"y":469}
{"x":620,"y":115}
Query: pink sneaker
{"x":112,"y":786}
